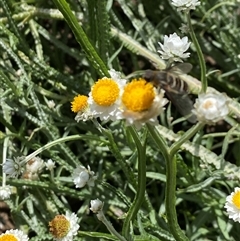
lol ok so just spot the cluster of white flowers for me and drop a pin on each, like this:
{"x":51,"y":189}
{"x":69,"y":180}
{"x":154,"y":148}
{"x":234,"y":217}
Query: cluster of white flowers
{"x":16,"y":167}
{"x":113,"y":99}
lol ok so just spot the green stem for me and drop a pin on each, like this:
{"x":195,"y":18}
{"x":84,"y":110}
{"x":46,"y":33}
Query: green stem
{"x":56,"y":142}
{"x":200,"y":55}
{"x":141,"y":187}
{"x":185,"y":137}
{"x":4,"y":157}
{"x":81,"y":37}
{"x":170,"y":192}
{"x":109,"y":226}
{"x":170,"y":199}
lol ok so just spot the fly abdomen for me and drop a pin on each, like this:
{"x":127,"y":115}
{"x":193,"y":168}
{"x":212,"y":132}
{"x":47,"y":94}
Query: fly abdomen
{"x":176,"y":83}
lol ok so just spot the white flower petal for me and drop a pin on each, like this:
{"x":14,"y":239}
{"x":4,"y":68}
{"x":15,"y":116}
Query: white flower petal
{"x":185,"y":5}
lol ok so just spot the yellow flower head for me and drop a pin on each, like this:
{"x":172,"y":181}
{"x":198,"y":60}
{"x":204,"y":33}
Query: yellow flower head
{"x":79,"y":103}
{"x":105,"y":97}
{"x":13,"y":235}
{"x":59,"y":226}
{"x":141,"y":103}
{"x":236,"y":199}
{"x":64,"y":227}
{"x":138,"y":95}
{"x":105,"y":92}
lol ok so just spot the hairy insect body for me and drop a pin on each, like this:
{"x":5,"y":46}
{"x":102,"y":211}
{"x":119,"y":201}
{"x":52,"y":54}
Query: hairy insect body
{"x":176,"y":90}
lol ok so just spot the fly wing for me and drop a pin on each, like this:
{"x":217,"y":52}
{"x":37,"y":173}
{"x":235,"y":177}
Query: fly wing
{"x":183,"y":104}
{"x":181,"y":68}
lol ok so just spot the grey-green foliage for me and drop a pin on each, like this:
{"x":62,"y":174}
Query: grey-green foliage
{"x":40,"y":61}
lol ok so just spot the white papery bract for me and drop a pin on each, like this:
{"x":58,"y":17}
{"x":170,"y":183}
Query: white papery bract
{"x":82,"y":176}
{"x":173,"y":48}
{"x":96,"y":205}
{"x":185,"y":5}
{"x":50,"y":164}
{"x":233,"y":205}
{"x":211,"y":107}
{"x":5,"y":192}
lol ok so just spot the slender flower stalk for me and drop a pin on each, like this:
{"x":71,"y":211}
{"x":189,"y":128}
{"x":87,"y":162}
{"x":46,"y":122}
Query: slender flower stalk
{"x":200,"y":55}
{"x":97,"y":207}
{"x":185,"y":137}
{"x":5,"y":145}
{"x":141,"y":187}
{"x":170,"y":193}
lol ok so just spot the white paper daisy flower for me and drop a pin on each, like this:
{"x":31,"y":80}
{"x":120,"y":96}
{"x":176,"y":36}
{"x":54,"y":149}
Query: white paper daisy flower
{"x":13,"y":167}
{"x":233,"y":205}
{"x":14,"y":234}
{"x":105,"y":97}
{"x":211,"y":107}
{"x":142,"y":103}
{"x":174,"y":48}
{"x":64,"y":227}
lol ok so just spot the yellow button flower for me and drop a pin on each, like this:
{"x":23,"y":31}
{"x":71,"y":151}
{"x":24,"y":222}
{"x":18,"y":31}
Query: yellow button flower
{"x":105,"y":97}
{"x":141,"y":103}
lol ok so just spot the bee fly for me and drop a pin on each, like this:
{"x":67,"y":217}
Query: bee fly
{"x":176,"y":89}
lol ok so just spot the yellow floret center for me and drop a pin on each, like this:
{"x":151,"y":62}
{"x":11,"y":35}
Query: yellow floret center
{"x":59,"y":226}
{"x":79,"y":103}
{"x":8,"y":237}
{"x":105,"y":92}
{"x":208,"y":104}
{"x":236,"y":199}
{"x":138,"y":95}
